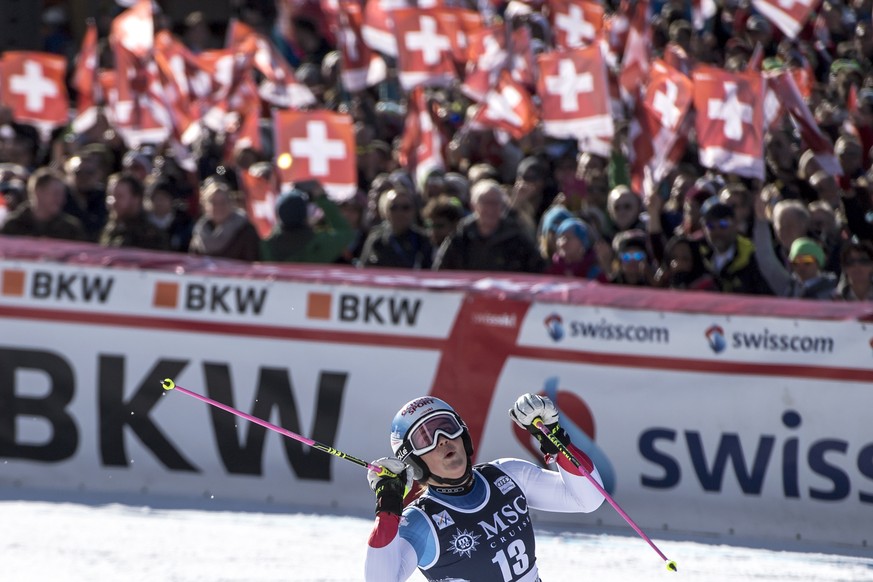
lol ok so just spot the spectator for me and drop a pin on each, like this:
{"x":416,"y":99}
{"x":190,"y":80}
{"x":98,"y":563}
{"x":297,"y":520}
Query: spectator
{"x":128,"y":225}
{"x":632,"y":264}
{"x":354,"y":210}
{"x":441,"y":217}
{"x":856,"y":263}
{"x":551,"y":220}
{"x":14,"y":192}
{"x":790,"y":222}
{"x":574,"y":255}
{"x":163,"y":212}
{"x":397,"y":241}
{"x":224,"y":230}
{"x":294,"y":240}
{"x":624,"y":208}
{"x":87,"y":173}
{"x":683,"y":268}
{"x":488,"y":239}
{"x":737,"y":196}
{"x":43,"y":214}
{"x":728,"y":256}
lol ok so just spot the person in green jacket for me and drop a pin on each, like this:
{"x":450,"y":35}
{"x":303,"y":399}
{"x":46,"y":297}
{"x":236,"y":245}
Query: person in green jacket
{"x":294,"y":240}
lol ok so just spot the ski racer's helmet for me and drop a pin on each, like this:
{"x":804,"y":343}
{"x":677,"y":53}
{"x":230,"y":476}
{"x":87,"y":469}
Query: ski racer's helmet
{"x":415,"y":431}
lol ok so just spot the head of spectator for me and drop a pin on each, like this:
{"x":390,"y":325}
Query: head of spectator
{"x":682,"y":183}
{"x":719,"y":224}
{"x":864,"y":39}
{"x":574,"y":239}
{"x":844,"y":73}
{"x":780,"y":154}
{"x":790,"y":222}
{"x":632,"y":257}
{"x":624,"y":208}
{"x":856,"y":263}
{"x":441,"y":217}
{"x":530,"y":181}
{"x":159,"y":201}
{"x":434,"y":184}
{"x":482,"y":171}
{"x":702,"y":190}
{"x":46,"y":194}
{"x":20,"y":144}
{"x":737,"y":196}
{"x":758,"y":31}
{"x":14,"y":192}
{"x":84,"y":174}
{"x":823,"y":223}
{"x":124,"y":197}
{"x":399,"y":209}
{"x":807,"y":258}
{"x":591,"y":169}
{"x":292,"y":210}
{"x":682,"y":267}
{"x":137,"y":163}
{"x":807,"y":165}
{"x":826,"y":186}
{"x":217,"y":201}
{"x":850,"y":154}
{"x":457,"y":186}
{"x":681,"y":33}
{"x":489,"y":202}
{"x":549,"y":223}
{"x":9,"y":171}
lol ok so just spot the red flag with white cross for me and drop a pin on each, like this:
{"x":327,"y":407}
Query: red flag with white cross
{"x":575,"y":23}
{"x":261,"y":194}
{"x":421,"y":150}
{"x":486,"y":56}
{"x":789,"y":16}
{"x":317,"y":145}
{"x":730,"y":120}
{"x":425,"y":45}
{"x":361,"y":67}
{"x":575,"y":100}
{"x":134,"y":29}
{"x":34,"y":88}
{"x":85,"y":81}
{"x":508,"y":107}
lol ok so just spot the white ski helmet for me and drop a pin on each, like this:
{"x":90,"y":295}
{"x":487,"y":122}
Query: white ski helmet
{"x":415,"y":431}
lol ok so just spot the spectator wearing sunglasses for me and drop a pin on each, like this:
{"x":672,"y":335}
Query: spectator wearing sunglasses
{"x":856,"y":262}
{"x":632,"y":265}
{"x":397,"y":242}
{"x":433,"y":511}
{"x":727,"y":255}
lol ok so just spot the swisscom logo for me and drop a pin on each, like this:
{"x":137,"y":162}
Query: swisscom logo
{"x":715,"y":337}
{"x":555,"y":327}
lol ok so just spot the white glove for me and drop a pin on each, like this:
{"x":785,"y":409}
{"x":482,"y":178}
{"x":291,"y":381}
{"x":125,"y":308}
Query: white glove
{"x":530,"y":406}
{"x":396,"y":466}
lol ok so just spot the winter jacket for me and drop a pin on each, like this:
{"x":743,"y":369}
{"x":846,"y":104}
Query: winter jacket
{"x":509,"y":249}
{"x":742,"y":274}
{"x":409,"y":250}
{"x":63,"y":226}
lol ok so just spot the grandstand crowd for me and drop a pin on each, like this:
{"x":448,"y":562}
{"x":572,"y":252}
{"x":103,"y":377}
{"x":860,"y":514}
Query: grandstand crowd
{"x":461,"y":161}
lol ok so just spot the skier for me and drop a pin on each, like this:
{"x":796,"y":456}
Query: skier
{"x":468,"y":522}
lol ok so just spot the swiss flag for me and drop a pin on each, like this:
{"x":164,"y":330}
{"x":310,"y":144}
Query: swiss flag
{"x":377,"y":28}
{"x":317,"y":145}
{"x":658,"y":128}
{"x":361,"y":66}
{"x":134,"y":29}
{"x":575,"y":23}
{"x":730,"y":120}
{"x":784,"y":86}
{"x":487,"y":55}
{"x":132,"y":94}
{"x":425,"y":43}
{"x":508,"y":107}
{"x":636,"y":59}
{"x":85,"y":81}
{"x":574,"y":95}
{"x":522,"y":62}
{"x":421,"y":150}
{"x":261,"y":194}
{"x":788,"y":15}
{"x":34,"y":88}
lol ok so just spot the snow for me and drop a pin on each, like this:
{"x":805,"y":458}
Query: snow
{"x":94,"y":538}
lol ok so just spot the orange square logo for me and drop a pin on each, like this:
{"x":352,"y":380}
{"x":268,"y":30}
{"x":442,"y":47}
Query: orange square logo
{"x":318,"y":306}
{"x":166,"y":295}
{"x":13,"y":283}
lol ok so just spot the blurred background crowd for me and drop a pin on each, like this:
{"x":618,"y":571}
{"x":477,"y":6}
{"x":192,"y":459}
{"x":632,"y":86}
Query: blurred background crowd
{"x":480,"y":196}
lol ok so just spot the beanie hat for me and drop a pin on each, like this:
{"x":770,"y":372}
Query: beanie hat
{"x":807,"y":246}
{"x":553,"y":217}
{"x":291,"y":208}
{"x":578,"y":228}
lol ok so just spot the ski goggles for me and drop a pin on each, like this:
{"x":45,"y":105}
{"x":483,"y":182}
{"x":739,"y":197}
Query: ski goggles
{"x":424,"y":436}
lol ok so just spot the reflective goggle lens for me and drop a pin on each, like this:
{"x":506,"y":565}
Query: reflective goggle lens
{"x":423,"y":437}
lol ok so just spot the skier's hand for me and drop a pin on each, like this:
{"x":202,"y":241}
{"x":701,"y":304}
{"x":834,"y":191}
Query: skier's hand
{"x":529,"y":407}
{"x":390,"y":491}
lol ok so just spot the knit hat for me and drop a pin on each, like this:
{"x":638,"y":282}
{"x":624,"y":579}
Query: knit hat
{"x":553,"y":217}
{"x":807,"y":246}
{"x":291,"y":208}
{"x":578,"y":228}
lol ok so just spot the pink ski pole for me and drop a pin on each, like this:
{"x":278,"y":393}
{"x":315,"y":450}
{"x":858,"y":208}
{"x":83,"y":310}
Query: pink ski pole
{"x":168,"y":384}
{"x":538,"y":422}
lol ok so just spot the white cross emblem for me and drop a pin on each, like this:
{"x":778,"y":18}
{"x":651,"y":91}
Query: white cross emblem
{"x":568,"y":84}
{"x":665,"y":104}
{"x":137,"y":34}
{"x":350,"y":41}
{"x":317,"y":148}
{"x":501,"y":105}
{"x":732,"y":111}
{"x":431,"y":44}
{"x":33,"y":85}
{"x":575,"y":26}
{"x":789,"y":4}
{"x":266,"y":208}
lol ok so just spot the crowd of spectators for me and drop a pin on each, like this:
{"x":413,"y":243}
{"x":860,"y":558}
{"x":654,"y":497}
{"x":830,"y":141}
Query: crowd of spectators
{"x":536,"y":205}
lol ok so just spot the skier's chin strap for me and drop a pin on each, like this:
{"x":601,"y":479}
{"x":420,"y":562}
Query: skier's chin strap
{"x":455,"y":486}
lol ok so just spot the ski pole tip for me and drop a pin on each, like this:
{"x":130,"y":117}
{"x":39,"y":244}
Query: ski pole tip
{"x":671,"y":565}
{"x":168,"y":384}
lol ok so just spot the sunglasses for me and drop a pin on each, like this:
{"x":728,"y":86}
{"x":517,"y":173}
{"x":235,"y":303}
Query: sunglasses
{"x":805,"y":260}
{"x":722,"y":223}
{"x":424,"y":436}
{"x":622,"y":207}
{"x":400,"y":207}
{"x":632,"y":256}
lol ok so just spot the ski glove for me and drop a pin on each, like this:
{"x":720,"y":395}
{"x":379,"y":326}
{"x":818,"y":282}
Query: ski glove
{"x":531,"y":406}
{"x":390,"y":491}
